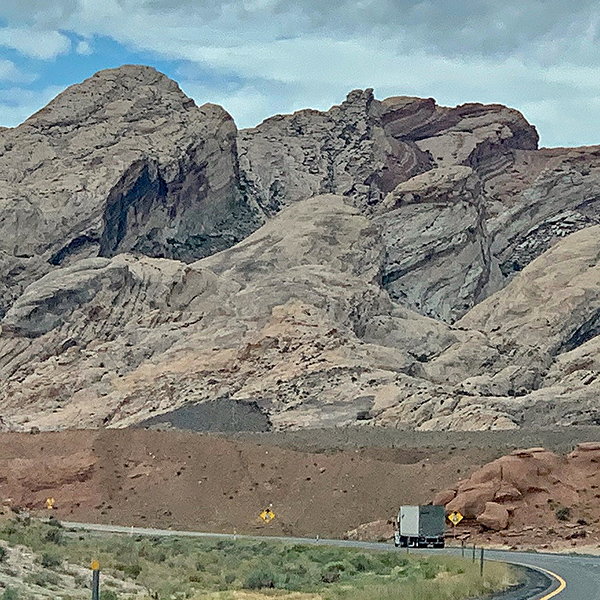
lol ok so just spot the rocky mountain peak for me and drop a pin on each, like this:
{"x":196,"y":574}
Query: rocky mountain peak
{"x":379,"y":261}
{"x":128,"y":92}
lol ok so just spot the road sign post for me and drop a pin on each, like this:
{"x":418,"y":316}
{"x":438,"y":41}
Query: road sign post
{"x":481,"y":564}
{"x":95,"y":580}
{"x":455,"y":518}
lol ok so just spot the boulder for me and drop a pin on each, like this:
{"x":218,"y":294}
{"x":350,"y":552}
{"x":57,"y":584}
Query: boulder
{"x":471,"y":501}
{"x":444,"y":497}
{"x":494,"y":517}
{"x":507,"y":493}
{"x":375,"y":531}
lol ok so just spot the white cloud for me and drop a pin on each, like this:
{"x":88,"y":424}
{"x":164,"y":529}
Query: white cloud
{"x":10,"y":72}
{"x":17,"y":103}
{"x":42,"y":44}
{"x":84,"y":47}
{"x":267,"y":56}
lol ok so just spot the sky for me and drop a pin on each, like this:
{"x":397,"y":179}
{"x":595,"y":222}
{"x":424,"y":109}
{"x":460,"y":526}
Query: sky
{"x":262,"y":57}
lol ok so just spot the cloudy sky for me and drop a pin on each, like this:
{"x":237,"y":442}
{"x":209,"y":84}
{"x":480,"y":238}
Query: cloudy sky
{"x":261,"y":57}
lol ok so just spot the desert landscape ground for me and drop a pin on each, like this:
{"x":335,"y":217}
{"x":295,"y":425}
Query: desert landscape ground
{"x":319,"y":483}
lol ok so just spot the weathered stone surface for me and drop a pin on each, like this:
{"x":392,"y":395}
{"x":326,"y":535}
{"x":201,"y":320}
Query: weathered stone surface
{"x":420,"y":167}
{"x":471,"y":502}
{"x":376,"y":531}
{"x":277,"y":319}
{"x":385,"y":261}
{"x":494,"y":517}
{"x":444,"y":497}
{"x":507,"y":493}
{"x":123,"y":162}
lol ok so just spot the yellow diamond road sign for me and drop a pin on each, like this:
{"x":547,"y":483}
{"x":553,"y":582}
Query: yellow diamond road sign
{"x":267,"y":515}
{"x":455,"y":518}
{"x":95,"y":565}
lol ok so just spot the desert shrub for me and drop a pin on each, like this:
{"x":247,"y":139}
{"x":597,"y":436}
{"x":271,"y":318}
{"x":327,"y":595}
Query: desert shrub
{"x":108,"y":595}
{"x":130,"y":570}
{"x":50,"y":560}
{"x":361,"y":562}
{"x":10,"y":594}
{"x":563,"y":513}
{"x":331,"y":572}
{"x":260,"y":578}
{"x":3,"y":553}
{"x":54,"y":536}
{"x":42,"y":579}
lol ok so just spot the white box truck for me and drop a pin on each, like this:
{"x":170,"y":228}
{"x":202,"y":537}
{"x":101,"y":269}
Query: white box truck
{"x":420,"y":527}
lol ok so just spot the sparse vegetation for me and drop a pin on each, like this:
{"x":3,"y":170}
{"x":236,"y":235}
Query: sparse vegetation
{"x":194,"y":568}
{"x":563,"y":513}
{"x":10,"y":593}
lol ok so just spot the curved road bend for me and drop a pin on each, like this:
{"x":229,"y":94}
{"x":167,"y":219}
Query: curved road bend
{"x":580,"y":572}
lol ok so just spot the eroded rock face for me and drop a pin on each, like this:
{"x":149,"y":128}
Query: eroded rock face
{"x":388,"y":262}
{"x":529,"y":488}
{"x":420,"y":167}
{"x":123,"y":162}
{"x":494,"y":517}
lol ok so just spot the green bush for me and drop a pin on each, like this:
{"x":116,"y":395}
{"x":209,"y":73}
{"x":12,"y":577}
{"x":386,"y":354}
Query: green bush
{"x":54,"y":536}
{"x":361,"y":562}
{"x":130,"y":570}
{"x":50,"y":560}
{"x":331,"y":572}
{"x":42,"y":579}
{"x":108,"y":595}
{"x":260,"y":578}
{"x":563,"y":513}
{"x":10,"y":594}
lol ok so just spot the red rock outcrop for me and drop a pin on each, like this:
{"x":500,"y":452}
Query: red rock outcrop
{"x":494,"y":516}
{"x":530,"y":487}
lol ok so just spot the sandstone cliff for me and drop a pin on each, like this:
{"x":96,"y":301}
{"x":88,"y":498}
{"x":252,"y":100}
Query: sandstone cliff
{"x":385,"y":261}
{"x":123,"y":162}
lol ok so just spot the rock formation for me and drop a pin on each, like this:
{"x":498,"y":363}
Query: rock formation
{"x":531,"y":488}
{"x":393,"y":262}
{"x":123,"y":162}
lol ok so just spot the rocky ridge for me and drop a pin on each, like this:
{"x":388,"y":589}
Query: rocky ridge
{"x":392,"y":261}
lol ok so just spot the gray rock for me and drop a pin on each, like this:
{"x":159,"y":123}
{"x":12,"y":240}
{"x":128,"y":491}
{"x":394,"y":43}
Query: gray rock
{"x":390,"y":262}
{"x":121,"y":162}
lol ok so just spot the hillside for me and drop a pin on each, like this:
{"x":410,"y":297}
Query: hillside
{"x":388,"y":262}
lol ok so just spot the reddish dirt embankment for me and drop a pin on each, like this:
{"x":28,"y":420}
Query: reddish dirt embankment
{"x":202,"y":482}
{"x":210,"y":483}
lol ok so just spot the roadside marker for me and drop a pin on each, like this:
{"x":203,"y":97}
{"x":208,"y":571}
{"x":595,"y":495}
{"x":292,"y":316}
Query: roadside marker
{"x":267,"y":515}
{"x":95,"y":580}
{"x":455,"y":518}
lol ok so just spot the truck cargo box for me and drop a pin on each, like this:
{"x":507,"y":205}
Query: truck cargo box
{"x":421,"y":526}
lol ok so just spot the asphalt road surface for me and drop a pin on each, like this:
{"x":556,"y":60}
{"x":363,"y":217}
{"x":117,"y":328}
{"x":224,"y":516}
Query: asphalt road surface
{"x":576,"y":577}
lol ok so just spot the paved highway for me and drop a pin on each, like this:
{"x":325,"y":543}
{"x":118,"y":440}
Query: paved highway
{"x":577,"y":577}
